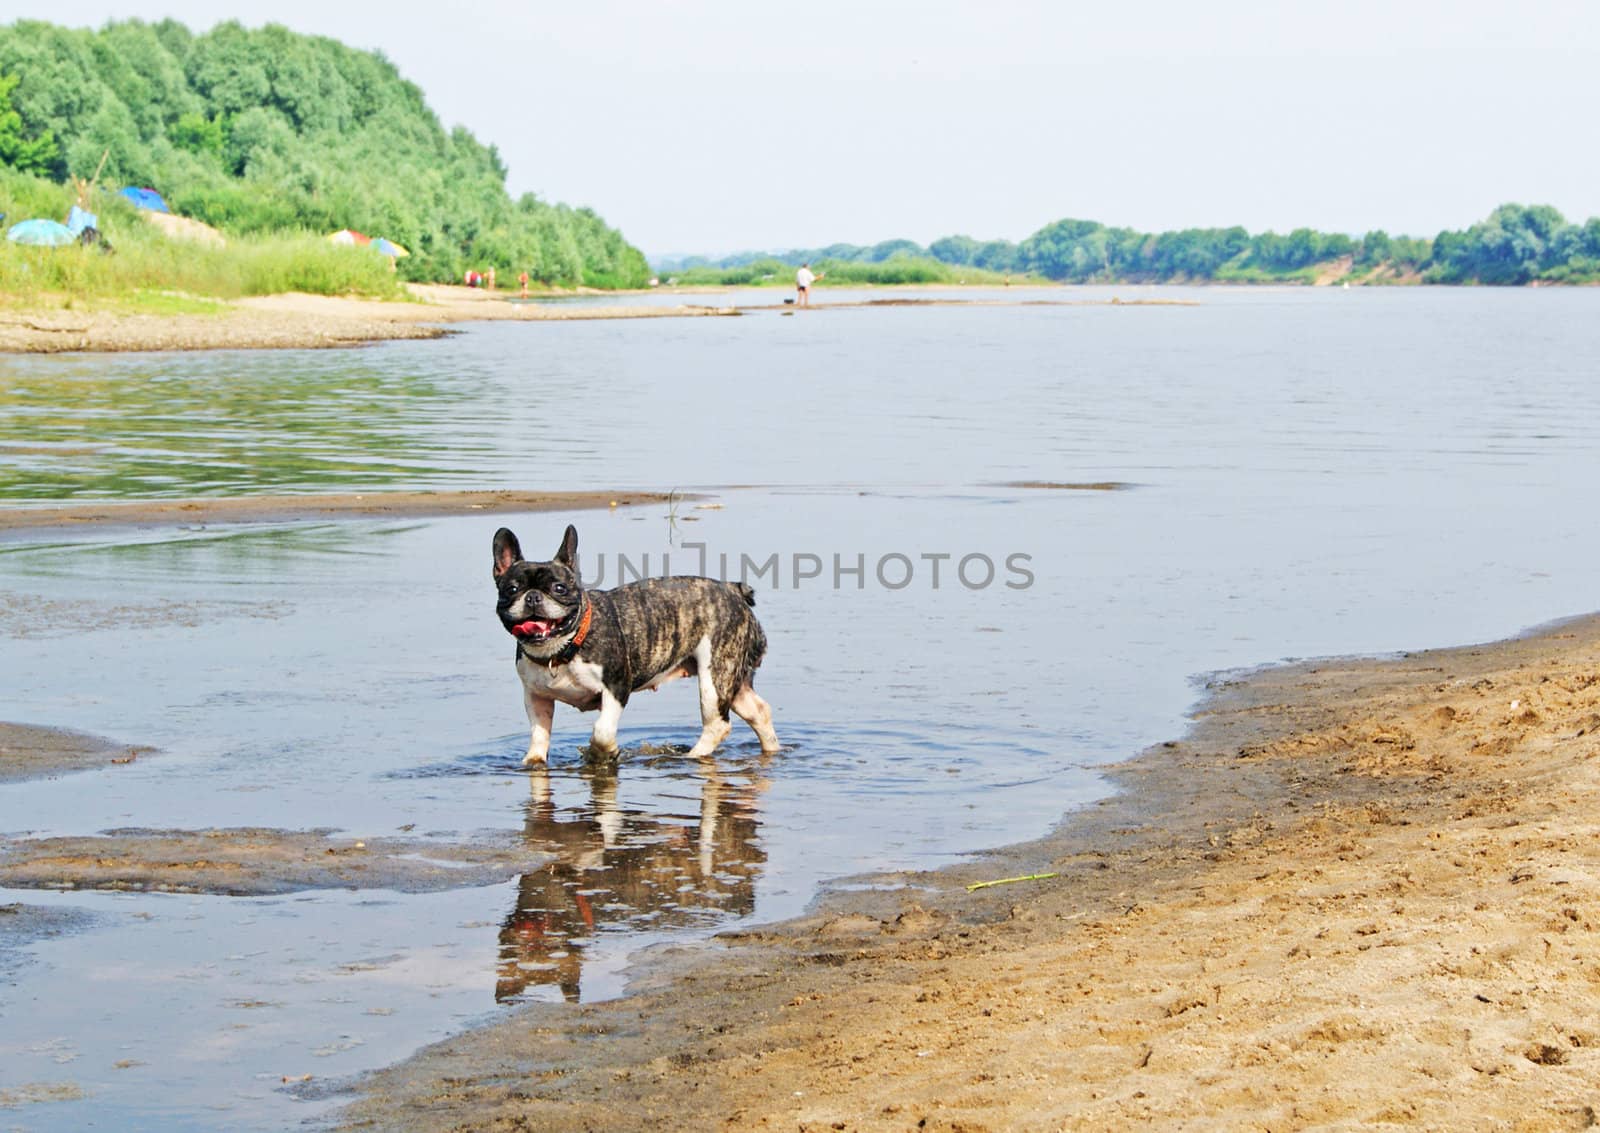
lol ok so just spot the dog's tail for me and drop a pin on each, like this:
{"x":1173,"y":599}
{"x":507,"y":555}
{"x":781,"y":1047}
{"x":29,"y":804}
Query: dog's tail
{"x":755,"y":650}
{"x":756,"y":640}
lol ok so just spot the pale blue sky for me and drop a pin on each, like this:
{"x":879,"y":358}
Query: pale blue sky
{"x":714,"y":126}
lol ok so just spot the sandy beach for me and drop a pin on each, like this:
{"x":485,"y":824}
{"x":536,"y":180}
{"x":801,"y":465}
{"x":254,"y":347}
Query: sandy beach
{"x":297,"y":321}
{"x":1360,"y":894}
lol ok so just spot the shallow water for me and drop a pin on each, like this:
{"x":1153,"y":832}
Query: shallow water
{"x":1313,"y":472}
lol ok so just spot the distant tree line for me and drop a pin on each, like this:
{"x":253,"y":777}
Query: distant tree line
{"x":900,"y":269}
{"x":1517,"y":244}
{"x":268,"y":130}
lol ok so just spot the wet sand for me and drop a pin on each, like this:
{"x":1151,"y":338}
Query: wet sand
{"x":1358,"y":894}
{"x":340,"y":505}
{"x":254,"y":862}
{"x":232,"y":326}
{"x":31,"y":752}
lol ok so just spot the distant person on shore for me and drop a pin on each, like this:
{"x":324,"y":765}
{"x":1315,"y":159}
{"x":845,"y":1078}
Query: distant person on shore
{"x":489,"y":280}
{"x":523,"y":279}
{"x":803,"y":279}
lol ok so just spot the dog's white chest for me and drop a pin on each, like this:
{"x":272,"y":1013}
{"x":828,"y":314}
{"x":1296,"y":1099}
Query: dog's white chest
{"x":576,"y":683}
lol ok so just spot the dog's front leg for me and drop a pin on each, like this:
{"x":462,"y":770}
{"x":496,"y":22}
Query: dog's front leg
{"x":603,"y":741}
{"x":541,"y":711}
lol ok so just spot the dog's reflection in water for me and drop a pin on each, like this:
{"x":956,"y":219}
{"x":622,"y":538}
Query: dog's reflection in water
{"x":625,"y":870}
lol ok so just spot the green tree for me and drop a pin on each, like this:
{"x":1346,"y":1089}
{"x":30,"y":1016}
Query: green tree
{"x":997,"y":255}
{"x":1376,"y":248}
{"x":31,"y":155}
{"x":889,"y":249}
{"x":1516,"y":244}
{"x":229,"y":70}
{"x":1066,"y":250}
{"x":962,"y":250}
{"x":198,"y":134}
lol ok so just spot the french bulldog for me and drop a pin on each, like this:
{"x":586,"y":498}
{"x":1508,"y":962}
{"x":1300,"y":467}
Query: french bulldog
{"x":593,"y":649}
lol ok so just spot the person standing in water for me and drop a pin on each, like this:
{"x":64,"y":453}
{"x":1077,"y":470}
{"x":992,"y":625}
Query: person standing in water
{"x":803,"y":279}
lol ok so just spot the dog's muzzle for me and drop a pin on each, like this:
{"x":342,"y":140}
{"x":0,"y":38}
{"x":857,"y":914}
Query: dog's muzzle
{"x":534,"y":630}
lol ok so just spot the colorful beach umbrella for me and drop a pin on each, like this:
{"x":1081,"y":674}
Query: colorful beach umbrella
{"x":44,"y":233}
{"x":388,"y":247}
{"x":349,"y":236}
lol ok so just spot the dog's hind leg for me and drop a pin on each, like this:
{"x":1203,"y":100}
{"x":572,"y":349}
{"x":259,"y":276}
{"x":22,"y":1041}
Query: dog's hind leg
{"x":714,"y":724}
{"x":758,"y":714}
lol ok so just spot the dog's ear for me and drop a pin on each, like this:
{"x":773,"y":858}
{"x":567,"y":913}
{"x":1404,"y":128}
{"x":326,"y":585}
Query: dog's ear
{"x":567,"y":553}
{"x":506,"y":551}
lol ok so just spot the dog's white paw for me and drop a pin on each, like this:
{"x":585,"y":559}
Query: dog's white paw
{"x":711,"y":737}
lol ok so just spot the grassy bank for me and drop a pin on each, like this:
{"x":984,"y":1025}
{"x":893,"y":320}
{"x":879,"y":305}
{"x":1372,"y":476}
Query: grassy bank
{"x":265,"y":130}
{"x":147,"y":260}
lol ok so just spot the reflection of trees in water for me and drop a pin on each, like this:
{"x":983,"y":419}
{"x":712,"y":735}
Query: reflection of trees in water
{"x":624,"y":870}
{"x":216,"y":425}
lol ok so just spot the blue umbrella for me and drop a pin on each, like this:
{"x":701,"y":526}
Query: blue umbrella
{"x":387,"y":247}
{"x":45,"y":233}
{"x":145,"y":199}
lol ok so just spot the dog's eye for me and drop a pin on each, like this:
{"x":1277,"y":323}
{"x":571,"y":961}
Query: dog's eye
{"x":559,"y":588}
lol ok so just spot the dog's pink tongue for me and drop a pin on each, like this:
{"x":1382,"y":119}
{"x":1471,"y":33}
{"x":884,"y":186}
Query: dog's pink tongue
{"x":528,"y":629}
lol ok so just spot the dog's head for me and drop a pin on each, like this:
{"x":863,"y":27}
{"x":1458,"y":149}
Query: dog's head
{"x":540,"y":603}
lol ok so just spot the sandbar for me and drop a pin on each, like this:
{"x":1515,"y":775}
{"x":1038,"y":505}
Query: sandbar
{"x":288,"y":508}
{"x":294,"y":321}
{"x":300,"y":321}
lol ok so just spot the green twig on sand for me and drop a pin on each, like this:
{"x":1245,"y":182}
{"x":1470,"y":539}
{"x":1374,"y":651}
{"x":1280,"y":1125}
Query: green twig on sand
{"x":672,"y":516}
{"x":1010,"y":880}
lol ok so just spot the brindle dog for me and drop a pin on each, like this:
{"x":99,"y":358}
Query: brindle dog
{"x":592,"y":649}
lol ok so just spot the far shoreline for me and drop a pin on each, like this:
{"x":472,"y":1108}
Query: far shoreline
{"x":298,"y":321}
